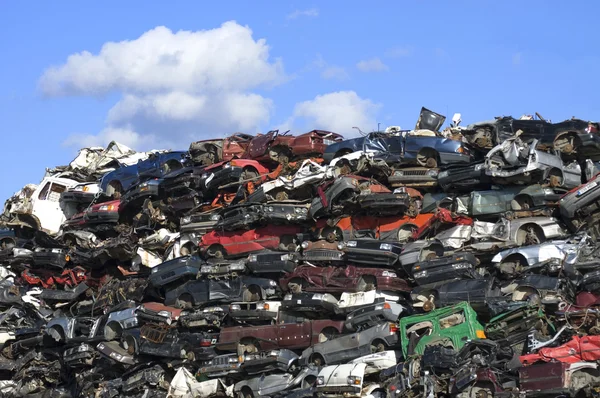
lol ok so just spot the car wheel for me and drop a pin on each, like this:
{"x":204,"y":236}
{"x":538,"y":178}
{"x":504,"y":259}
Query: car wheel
{"x":247,"y":347}
{"x":377,"y":346}
{"x":427,"y":157}
{"x":246,"y":393}
{"x":332,"y":235}
{"x":555,"y":178}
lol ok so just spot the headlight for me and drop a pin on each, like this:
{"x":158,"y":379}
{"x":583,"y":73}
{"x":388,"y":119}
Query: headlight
{"x":235,"y":307}
{"x":431,"y":173}
{"x":389,"y":274}
{"x":215,"y":217}
{"x":252,"y":258}
{"x":320,"y":380}
{"x":285,"y":257}
{"x":103,"y":208}
{"x":378,"y":307}
{"x":478,"y":166}
{"x":399,"y":173}
{"x":154,"y":270}
{"x":212,"y":309}
{"x":354,"y":380}
{"x":304,"y":210}
{"x":164,"y":313}
{"x":443,"y":174}
{"x":234,"y":359}
{"x":351,"y":243}
{"x":287,"y":297}
{"x":186,"y":220}
{"x":341,"y":246}
{"x":270,"y":208}
{"x":421,"y":274}
{"x":107,"y":208}
{"x":461,"y":266}
{"x":318,"y":296}
{"x":297,"y":210}
{"x":205,"y":269}
{"x":237,"y":267}
{"x":304,"y":245}
{"x":227,"y":166}
{"x":56,"y":251}
{"x":272,"y":283}
{"x":385,"y":246}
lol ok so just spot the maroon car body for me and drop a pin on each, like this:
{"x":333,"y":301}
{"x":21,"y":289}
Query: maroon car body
{"x":343,"y":279}
{"x":294,"y":336}
{"x":282,"y":147}
{"x":207,"y":152}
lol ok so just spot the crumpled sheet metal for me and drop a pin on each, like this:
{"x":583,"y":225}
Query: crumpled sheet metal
{"x":586,"y":348}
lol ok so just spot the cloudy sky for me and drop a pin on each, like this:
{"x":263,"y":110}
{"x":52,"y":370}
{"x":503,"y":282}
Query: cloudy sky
{"x":155,"y":74}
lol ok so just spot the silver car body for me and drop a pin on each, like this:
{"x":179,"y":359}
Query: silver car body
{"x":267,"y":385}
{"x":358,"y":299}
{"x":538,"y":253}
{"x":512,"y":150}
{"x":126,"y":319}
{"x":507,"y":230}
{"x":379,"y":361}
{"x":344,"y":381}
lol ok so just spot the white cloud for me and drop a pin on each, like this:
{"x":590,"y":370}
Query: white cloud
{"x":329,"y":71}
{"x":334,"y":72}
{"x":398,"y":52}
{"x":372,"y":65}
{"x":175,"y":86}
{"x":337,"y":111}
{"x":311,"y":12}
{"x":123,"y":135}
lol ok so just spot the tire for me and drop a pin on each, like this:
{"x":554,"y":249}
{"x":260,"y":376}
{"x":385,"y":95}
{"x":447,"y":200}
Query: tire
{"x":427,"y":157}
{"x":287,"y":242}
{"x":246,"y":393}
{"x":328,"y":334}
{"x":309,"y":381}
{"x":185,"y":301}
{"x":170,"y":166}
{"x":130,"y":345}
{"x":523,"y":202}
{"x":377,"y":346}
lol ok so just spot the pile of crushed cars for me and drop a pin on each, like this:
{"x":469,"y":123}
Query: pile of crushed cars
{"x":402,"y":263}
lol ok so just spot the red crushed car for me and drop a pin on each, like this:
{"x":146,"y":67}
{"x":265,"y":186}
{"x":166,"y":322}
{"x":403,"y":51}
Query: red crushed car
{"x":221,"y":244}
{"x":208,"y":152}
{"x":342,"y":279}
{"x":282,"y":147}
{"x":49,"y":279}
{"x":101,"y":213}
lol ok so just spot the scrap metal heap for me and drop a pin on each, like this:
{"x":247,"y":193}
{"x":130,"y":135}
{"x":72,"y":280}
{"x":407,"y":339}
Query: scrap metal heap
{"x":402,"y":263}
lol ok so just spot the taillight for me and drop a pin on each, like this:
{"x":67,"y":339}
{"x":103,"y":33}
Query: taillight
{"x":205,"y":343}
{"x":387,"y":306}
{"x":393,"y":328}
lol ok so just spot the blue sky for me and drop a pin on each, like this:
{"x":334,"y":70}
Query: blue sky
{"x":324,"y":65}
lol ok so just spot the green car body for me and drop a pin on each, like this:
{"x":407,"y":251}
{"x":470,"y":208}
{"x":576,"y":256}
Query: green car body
{"x":450,"y":326}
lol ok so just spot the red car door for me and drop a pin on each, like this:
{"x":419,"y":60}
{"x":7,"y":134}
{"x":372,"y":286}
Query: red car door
{"x":260,"y":144}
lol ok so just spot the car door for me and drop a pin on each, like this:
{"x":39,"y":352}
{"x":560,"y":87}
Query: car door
{"x":260,"y":144}
{"x":294,"y":335}
{"x":340,"y":349}
{"x":225,"y":289}
{"x":47,"y":206}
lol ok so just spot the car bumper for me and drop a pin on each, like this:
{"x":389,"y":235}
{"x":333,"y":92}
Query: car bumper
{"x":140,"y":193}
{"x":446,"y":273}
{"x":392,"y":284}
{"x":276,"y":266}
{"x":323,"y":255}
{"x":370,"y":317}
{"x":78,"y":197}
{"x":309,"y":305}
{"x":101,"y":218}
{"x":371,"y":257}
{"x":453,"y":157}
{"x":253,"y":315}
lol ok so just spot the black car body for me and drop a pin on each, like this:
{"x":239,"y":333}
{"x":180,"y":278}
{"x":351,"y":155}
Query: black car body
{"x":373,"y":314}
{"x":285,"y":212}
{"x":310,"y":302}
{"x":55,"y":257}
{"x":272,"y":262}
{"x":137,"y":193}
{"x":169,"y":343}
{"x":373,"y":252}
{"x":387,"y":204}
{"x":455,"y":266}
{"x":242,"y":288}
{"x":477,"y":292}
{"x":176,"y":269}
{"x":464,"y":178}
{"x":242,"y":216}
{"x":262,"y":311}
